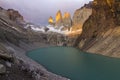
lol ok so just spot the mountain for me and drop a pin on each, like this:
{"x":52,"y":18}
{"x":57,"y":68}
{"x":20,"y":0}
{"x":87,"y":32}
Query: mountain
{"x":81,"y":15}
{"x":61,"y":20}
{"x":101,"y":32}
{"x":51,"y":21}
{"x":58,"y":18}
{"x":67,"y":21}
{"x":15,"y":41}
{"x":75,"y":23}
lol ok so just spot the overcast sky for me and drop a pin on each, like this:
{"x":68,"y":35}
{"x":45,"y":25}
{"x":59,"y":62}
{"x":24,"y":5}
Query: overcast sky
{"x":38,"y":11}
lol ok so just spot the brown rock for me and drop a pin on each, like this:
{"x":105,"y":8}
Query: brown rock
{"x":101,"y":31}
{"x":14,"y":15}
{"x":51,"y":21}
{"x":58,"y":18}
{"x":67,"y":22}
{"x":80,"y":16}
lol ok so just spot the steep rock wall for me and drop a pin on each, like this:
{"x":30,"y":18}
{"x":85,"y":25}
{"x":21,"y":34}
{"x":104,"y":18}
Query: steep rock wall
{"x":102,"y":28}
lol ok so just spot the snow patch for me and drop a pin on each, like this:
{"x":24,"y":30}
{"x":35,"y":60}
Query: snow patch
{"x":37,"y":29}
{"x":50,"y":27}
{"x":57,"y":30}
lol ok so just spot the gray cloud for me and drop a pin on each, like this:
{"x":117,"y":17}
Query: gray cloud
{"x":38,"y":11}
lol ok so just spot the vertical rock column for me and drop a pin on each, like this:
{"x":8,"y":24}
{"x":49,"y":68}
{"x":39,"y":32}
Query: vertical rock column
{"x":58,"y":18}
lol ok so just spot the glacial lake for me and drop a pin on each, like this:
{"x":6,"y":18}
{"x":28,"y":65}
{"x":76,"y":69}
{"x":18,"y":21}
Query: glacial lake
{"x":76,"y":65}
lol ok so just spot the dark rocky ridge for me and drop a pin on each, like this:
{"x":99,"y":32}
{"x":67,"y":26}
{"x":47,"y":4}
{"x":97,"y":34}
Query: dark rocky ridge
{"x":101,"y":31}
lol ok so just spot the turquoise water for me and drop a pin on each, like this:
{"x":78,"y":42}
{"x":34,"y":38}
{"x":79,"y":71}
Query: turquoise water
{"x":76,"y":65}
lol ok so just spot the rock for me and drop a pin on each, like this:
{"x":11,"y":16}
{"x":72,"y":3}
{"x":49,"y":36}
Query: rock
{"x":101,"y":31}
{"x":67,"y":21}
{"x":46,"y":29}
{"x":51,"y":21}
{"x":116,"y":10}
{"x":1,"y":8}
{"x":14,"y":15}
{"x":8,"y":64}
{"x":58,"y":18}
{"x":21,"y":40}
{"x":80,"y":16}
{"x":64,"y":20}
{"x":6,"y":56}
{"x":2,"y":69}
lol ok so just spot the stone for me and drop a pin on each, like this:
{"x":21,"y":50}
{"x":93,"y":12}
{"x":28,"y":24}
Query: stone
{"x":8,"y":64}
{"x":80,"y":16}
{"x":14,"y":15}
{"x":67,"y":21}
{"x":101,"y":31}
{"x":51,"y":21}
{"x":2,"y":69}
{"x":58,"y":18}
{"x":46,"y":29}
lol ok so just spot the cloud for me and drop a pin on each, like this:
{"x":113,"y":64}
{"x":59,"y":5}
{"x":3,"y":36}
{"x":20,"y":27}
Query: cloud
{"x":38,"y":11}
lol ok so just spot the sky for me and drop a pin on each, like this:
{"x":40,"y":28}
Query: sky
{"x":38,"y":11}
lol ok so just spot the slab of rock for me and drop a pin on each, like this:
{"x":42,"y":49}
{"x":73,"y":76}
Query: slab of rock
{"x":2,"y":69}
{"x":58,"y":18}
{"x":67,"y":21}
{"x":51,"y":21}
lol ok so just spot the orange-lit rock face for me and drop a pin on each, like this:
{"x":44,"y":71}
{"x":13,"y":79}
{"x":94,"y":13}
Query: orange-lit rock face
{"x":110,"y":2}
{"x":58,"y":18}
{"x":80,"y":16}
{"x":66,"y":15}
{"x":50,"y":20}
{"x":67,"y":21}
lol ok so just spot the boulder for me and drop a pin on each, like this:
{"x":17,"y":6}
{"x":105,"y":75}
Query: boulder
{"x":2,"y":69}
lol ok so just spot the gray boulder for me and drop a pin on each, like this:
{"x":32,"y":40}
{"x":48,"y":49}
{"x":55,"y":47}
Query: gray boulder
{"x":2,"y":69}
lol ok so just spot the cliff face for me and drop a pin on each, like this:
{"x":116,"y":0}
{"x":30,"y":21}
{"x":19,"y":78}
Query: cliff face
{"x":80,"y":16}
{"x":58,"y":19}
{"x":14,"y":15}
{"x":67,"y":21}
{"x":51,"y":21}
{"x":101,"y":31}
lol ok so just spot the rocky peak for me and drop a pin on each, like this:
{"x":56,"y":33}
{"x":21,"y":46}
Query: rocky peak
{"x":67,"y":21}
{"x":14,"y":15}
{"x":58,"y":19}
{"x":66,"y":15}
{"x":50,"y":20}
{"x":102,"y":18}
{"x":80,"y":16}
{"x":89,"y":5}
